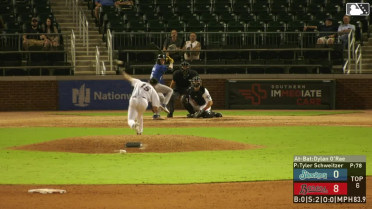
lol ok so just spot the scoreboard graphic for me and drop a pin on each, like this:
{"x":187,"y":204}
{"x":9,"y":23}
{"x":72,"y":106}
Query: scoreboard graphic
{"x":329,"y":179}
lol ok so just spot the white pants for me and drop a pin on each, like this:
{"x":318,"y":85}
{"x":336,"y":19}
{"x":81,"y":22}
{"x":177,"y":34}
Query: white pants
{"x":164,"y":92}
{"x":137,"y":106}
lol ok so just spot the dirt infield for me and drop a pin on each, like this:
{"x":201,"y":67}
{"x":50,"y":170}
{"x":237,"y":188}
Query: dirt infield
{"x":239,"y":195}
{"x":157,"y":143}
{"x":55,"y":119}
{"x":245,"y":195}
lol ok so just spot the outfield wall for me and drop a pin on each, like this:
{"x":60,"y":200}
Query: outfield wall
{"x":42,"y":93}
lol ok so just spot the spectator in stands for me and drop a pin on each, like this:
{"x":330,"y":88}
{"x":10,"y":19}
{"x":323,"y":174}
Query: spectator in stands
{"x":344,"y":29}
{"x":124,"y":4}
{"x":173,"y":44}
{"x":328,"y":27}
{"x":102,"y":3}
{"x":35,"y":36}
{"x":180,"y":83}
{"x":192,"y":45}
{"x":50,"y":30}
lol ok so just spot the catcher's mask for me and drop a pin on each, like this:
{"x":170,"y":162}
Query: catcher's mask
{"x":196,"y":82}
{"x":161,"y":57}
{"x":185,"y":66}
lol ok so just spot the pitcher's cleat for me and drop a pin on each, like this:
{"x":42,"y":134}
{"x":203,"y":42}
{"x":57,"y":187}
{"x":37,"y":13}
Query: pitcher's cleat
{"x":136,"y":127}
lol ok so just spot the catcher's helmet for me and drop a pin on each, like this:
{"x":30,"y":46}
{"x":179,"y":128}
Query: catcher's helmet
{"x":161,"y":56}
{"x":196,"y":81}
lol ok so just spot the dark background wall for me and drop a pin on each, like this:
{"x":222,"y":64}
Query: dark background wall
{"x":42,"y":94}
{"x":354,"y":94}
{"x":28,"y":95}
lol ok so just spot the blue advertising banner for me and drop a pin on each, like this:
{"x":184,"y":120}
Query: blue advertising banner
{"x":94,"y":95}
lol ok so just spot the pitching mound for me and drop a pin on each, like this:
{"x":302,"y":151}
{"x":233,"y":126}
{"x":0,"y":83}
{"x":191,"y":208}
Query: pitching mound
{"x":151,"y":143}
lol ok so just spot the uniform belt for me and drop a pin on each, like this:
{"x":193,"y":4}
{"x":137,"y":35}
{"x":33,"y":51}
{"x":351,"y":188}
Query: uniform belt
{"x":138,"y":97}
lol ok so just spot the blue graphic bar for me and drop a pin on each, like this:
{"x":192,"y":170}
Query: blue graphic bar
{"x":319,"y":174}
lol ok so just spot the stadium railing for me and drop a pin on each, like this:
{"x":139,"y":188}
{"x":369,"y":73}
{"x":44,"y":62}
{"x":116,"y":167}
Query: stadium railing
{"x":242,"y":47}
{"x":37,"y":60}
{"x":109,"y":49}
{"x":73,"y":50}
{"x":358,"y":59}
{"x":100,"y":65}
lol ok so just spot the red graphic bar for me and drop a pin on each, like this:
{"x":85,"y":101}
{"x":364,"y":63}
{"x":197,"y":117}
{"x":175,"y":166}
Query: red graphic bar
{"x":320,"y":188}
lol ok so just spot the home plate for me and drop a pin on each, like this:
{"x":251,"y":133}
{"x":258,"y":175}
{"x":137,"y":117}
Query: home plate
{"x":47,"y":191}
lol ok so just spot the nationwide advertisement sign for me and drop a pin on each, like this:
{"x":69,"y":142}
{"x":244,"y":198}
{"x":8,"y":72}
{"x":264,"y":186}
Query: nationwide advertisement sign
{"x":280,"y":94}
{"x":94,"y":95}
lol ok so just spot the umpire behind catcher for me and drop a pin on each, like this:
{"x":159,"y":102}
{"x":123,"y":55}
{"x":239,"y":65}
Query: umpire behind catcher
{"x":198,"y":101}
{"x":180,"y":83}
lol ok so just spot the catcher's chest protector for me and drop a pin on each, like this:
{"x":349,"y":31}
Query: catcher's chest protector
{"x":197,"y":96}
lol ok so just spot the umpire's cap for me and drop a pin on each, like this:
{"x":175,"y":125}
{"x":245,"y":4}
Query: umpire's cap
{"x":185,"y":64}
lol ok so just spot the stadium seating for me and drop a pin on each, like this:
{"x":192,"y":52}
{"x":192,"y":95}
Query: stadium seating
{"x":17,"y":15}
{"x":237,"y":16}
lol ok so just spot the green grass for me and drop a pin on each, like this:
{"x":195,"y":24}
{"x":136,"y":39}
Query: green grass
{"x":273,"y":162}
{"x":228,"y":113}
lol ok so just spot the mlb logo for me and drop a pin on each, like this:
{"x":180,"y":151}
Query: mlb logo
{"x":357,"y":9}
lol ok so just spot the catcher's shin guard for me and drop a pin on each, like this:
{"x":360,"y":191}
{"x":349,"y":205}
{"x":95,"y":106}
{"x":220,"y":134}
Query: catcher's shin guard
{"x":208,"y":114}
{"x":186,"y":104}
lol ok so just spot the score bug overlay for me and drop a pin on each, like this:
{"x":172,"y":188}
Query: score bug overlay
{"x":329,"y":179}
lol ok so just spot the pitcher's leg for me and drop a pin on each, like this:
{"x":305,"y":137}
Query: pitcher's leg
{"x":141,"y":108}
{"x":132,"y":113}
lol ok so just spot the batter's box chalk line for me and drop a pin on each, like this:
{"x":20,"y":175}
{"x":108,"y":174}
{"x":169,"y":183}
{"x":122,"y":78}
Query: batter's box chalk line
{"x":47,"y":191}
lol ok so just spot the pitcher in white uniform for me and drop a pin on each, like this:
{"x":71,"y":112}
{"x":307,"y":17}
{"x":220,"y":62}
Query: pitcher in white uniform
{"x":142,"y":94}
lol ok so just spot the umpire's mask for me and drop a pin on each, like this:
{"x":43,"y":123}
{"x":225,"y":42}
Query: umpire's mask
{"x":185,"y":66}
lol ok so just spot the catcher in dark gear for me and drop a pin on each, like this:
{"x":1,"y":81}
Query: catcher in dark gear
{"x":198,"y":101}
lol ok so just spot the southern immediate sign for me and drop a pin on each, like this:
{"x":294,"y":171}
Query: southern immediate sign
{"x":280,"y":94}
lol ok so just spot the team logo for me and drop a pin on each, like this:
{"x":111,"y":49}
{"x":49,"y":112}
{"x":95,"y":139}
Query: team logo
{"x":308,"y":189}
{"x":255,"y":94}
{"x":307,"y":175}
{"x":357,"y":9}
{"x":81,"y":96}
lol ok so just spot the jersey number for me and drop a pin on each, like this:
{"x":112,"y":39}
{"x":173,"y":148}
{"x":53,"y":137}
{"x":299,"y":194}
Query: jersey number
{"x":146,"y":88}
